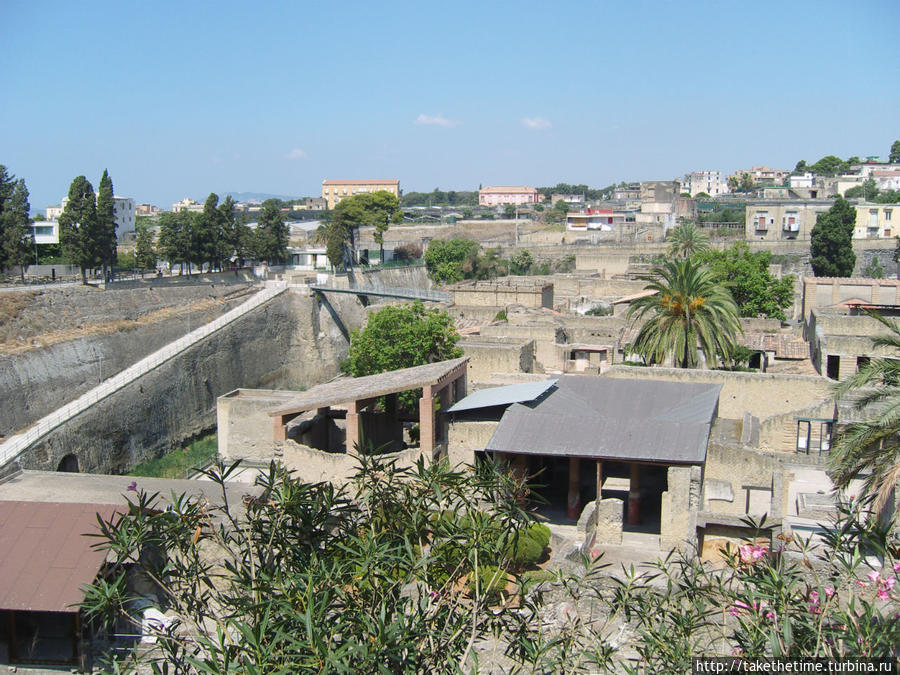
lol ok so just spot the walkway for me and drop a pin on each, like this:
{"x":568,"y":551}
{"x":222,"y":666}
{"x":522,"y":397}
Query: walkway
{"x":12,"y":447}
{"x":385,"y":292}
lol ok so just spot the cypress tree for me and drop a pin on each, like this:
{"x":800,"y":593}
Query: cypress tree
{"x":16,"y":231}
{"x":831,"y":241}
{"x":78,"y":227}
{"x":106,"y":223}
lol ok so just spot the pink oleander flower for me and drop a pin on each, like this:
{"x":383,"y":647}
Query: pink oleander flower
{"x":829,"y":591}
{"x":132,"y":486}
{"x":861,"y":583}
{"x":814,"y":608}
{"x":737,"y":651}
{"x":814,"y":597}
{"x":897,"y":567}
{"x":888,"y":583}
{"x":750,"y":554}
{"x":771,"y":615}
{"x":873,"y":575}
{"x":883,"y":594}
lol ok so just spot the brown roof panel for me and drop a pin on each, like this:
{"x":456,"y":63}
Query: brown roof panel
{"x":45,"y":558}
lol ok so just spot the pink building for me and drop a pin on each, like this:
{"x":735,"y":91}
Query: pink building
{"x":498,"y":195}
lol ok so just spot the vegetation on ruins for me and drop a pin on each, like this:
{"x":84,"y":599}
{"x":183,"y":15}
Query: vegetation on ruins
{"x":746,"y":274}
{"x":686,"y":239}
{"x":689,"y":308}
{"x":410,"y":570}
{"x":369,"y":209}
{"x":402,"y":336}
{"x":449,"y":261}
{"x":16,"y":243}
{"x":871,"y":446}
{"x":831,"y":248}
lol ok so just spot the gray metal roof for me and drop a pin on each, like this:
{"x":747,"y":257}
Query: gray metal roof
{"x":609,"y":418}
{"x":513,"y":393}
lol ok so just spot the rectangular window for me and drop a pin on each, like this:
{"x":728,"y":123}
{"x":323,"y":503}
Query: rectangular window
{"x":887,"y":214}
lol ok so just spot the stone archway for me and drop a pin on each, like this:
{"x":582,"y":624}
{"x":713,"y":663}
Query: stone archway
{"x":68,"y":464}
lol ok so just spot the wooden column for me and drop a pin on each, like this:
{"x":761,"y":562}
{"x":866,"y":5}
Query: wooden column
{"x":634,"y":496}
{"x":573,"y":504}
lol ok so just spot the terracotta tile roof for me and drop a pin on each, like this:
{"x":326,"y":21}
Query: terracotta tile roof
{"x":45,"y":558}
{"x":784,"y":345}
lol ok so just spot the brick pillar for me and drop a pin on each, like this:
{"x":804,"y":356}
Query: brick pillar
{"x":352,"y":424}
{"x":426,"y":421}
{"x":573,"y":504}
{"x":634,"y":496}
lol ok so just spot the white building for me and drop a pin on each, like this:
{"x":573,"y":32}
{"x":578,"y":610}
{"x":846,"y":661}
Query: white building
{"x":123,"y":212}
{"x":187,"y":204}
{"x":45,"y":232}
{"x":710,"y":182}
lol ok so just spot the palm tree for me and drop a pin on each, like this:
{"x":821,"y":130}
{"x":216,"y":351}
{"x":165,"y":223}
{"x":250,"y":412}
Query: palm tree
{"x":872,"y":445}
{"x":687,"y":239}
{"x":689,"y":308}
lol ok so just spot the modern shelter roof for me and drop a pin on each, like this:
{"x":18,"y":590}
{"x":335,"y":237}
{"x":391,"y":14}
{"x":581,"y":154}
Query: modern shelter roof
{"x":370,"y":386}
{"x":494,"y":396}
{"x":611,"y":418}
{"x":45,"y":557}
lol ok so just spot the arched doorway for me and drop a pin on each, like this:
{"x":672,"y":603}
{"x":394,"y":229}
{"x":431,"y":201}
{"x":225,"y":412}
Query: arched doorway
{"x":68,"y":464}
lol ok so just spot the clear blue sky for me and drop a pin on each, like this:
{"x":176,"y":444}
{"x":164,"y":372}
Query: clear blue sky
{"x":182,"y":98}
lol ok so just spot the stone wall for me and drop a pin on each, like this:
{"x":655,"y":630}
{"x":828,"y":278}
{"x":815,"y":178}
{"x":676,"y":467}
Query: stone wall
{"x":497,"y":355}
{"x":755,"y":479}
{"x":315,"y":466}
{"x":464,"y":438}
{"x":545,"y":337}
{"x":526,"y":291}
{"x":290,"y":342}
{"x":90,"y":333}
{"x":764,"y":394}
{"x":679,"y":506}
{"x":245,"y":430}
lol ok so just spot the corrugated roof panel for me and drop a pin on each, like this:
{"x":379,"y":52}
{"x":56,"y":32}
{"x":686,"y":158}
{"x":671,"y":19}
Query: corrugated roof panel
{"x":513,"y":393}
{"x":607,"y":418}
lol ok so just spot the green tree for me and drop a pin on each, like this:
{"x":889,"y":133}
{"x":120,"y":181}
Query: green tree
{"x":401,"y":337}
{"x":16,"y":243}
{"x":206,"y":236}
{"x":521,"y":262}
{"x":871,"y":447}
{"x":79,"y":232}
{"x":106,"y":223}
{"x":235,"y":234}
{"x":689,"y":307}
{"x":509,"y":211}
{"x":445,"y":260}
{"x":894,"y":157}
{"x":868,"y":190}
{"x":369,"y":209}
{"x":686,"y":239}
{"x":829,"y":166}
{"x":831,"y":249}
{"x":270,"y":240}
{"x":801,"y":168}
{"x":175,"y":238}
{"x":746,"y":274}
{"x":145,"y":255}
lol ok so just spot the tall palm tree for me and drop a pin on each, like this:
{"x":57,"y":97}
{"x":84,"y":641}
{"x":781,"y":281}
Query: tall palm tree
{"x":873,"y":444}
{"x":689,"y":309}
{"x":687,"y":239}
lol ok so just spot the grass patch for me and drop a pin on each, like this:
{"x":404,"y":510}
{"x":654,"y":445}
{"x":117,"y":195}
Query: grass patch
{"x":178,"y":463}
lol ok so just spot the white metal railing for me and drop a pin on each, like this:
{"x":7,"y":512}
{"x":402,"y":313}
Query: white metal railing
{"x":15,"y":445}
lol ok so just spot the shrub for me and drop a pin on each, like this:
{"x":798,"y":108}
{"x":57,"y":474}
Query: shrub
{"x":492,"y":582}
{"x":501,"y":316}
{"x":529,"y":545}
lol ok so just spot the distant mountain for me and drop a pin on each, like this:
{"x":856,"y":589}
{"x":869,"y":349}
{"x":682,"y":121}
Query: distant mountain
{"x":255,"y":196}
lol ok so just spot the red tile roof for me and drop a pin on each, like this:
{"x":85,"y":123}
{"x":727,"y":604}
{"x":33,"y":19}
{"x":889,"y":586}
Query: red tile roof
{"x":45,"y":557}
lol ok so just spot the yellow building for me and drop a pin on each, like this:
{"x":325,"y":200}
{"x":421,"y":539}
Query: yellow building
{"x":875,"y":221}
{"x":333,"y":191}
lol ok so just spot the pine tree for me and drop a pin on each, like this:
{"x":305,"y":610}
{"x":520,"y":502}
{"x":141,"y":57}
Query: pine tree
{"x":17,"y":239}
{"x":15,"y":232}
{"x":831,"y":244}
{"x":145,"y":255}
{"x":78,"y":227}
{"x":106,"y":224}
